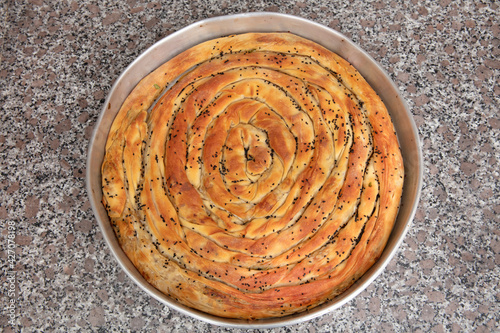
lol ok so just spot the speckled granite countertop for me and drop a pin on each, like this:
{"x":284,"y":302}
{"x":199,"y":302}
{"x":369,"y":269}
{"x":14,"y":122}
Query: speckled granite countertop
{"x":58,"y":62}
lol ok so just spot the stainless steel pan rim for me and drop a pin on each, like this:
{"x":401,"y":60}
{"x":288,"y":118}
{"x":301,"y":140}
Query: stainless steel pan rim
{"x":260,"y":22}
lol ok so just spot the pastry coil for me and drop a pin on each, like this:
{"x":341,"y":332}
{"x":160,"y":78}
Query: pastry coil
{"x":252,"y":176}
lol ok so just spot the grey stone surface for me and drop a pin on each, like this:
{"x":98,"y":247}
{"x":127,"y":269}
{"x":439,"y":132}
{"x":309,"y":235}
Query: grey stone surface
{"x":58,"y":62}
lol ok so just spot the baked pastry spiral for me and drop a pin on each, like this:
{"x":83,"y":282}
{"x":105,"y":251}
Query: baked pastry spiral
{"x":251,"y":176}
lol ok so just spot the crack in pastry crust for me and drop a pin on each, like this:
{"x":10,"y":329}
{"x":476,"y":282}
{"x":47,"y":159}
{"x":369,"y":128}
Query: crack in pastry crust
{"x":252,"y":176}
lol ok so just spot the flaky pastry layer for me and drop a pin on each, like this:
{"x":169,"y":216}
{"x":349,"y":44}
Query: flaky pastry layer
{"x":252,"y":176}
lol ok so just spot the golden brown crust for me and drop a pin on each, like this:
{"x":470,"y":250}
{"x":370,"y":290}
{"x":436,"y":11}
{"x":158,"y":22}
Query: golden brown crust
{"x":263,"y":182}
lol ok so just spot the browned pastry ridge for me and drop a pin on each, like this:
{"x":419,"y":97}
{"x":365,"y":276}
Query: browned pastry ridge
{"x":251,"y":176}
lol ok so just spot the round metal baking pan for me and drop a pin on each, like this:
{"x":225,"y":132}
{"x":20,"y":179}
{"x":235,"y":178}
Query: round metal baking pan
{"x":261,"y":22}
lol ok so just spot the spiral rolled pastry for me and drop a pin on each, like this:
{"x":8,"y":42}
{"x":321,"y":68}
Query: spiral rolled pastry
{"x":251,"y":176}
